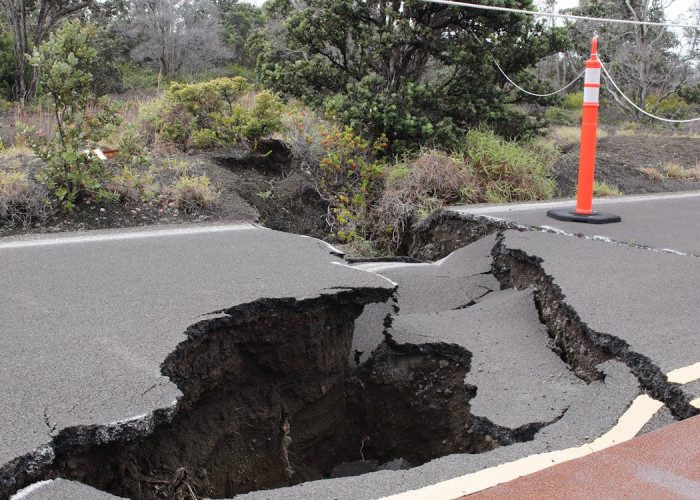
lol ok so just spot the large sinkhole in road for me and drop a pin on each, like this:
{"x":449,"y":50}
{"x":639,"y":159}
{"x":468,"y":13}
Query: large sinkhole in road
{"x":270,"y":400}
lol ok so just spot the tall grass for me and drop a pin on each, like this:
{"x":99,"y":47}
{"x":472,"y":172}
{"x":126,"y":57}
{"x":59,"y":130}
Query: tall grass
{"x":508,"y":171}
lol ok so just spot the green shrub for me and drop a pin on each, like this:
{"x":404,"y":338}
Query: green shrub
{"x":208,"y":115}
{"x":563,"y":116}
{"x":350,"y":179}
{"x":672,"y":106}
{"x":71,"y":171}
{"x":573,"y":101}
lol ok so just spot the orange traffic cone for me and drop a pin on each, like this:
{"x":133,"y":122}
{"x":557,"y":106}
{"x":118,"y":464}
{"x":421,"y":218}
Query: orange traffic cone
{"x":586,"y":167}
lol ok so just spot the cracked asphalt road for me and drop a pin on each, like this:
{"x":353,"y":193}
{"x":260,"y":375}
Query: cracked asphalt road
{"x":87,"y":320}
{"x":641,"y":298}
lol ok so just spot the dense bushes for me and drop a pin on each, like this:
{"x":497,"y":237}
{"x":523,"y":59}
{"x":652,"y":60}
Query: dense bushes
{"x":486,"y":168}
{"x":209,"y":115}
{"x":371,"y":198}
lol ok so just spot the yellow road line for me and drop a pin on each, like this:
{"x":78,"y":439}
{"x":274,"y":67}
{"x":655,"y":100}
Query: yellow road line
{"x":643,"y":408}
{"x":684,"y":375}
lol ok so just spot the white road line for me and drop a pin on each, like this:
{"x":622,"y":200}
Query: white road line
{"x":501,"y":207}
{"x":124,"y":236}
{"x":643,"y":408}
{"x":684,"y":375}
{"x":695,"y":403}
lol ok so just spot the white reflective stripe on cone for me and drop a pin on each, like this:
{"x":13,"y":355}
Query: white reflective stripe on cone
{"x":590,"y":95}
{"x":592,"y":75}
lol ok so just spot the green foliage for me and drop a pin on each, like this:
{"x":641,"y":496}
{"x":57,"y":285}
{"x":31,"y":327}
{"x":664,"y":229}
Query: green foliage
{"x":573,"y":101}
{"x":350,"y":179}
{"x":412,"y":70}
{"x":563,"y":116}
{"x":138,"y":76}
{"x":672,"y":106}
{"x":208,"y":115}
{"x":238,"y":21}
{"x":64,"y":61}
{"x":507,"y":170}
{"x":690,"y":93}
{"x":602,"y":189}
{"x":487,"y":168}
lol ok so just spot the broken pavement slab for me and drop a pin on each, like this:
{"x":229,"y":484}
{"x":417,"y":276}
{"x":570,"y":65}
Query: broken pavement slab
{"x":661,"y":221}
{"x":597,"y":411}
{"x":89,"y":320}
{"x":61,"y":489}
{"x":521,"y":384}
{"x":594,"y":414}
{"x":636,"y":304}
{"x":460,"y":279}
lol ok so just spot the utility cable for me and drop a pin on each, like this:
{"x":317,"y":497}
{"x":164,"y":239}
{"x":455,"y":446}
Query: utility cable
{"x":561,"y":16}
{"x":532,"y":93}
{"x":667,"y":120}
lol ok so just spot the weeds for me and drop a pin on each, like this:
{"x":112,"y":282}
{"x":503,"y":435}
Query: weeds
{"x":421,"y":185}
{"x":676,"y":171}
{"x":22,"y":201}
{"x":652,"y":173}
{"x":508,"y":171}
{"x":602,"y":189}
{"x":193,"y":194}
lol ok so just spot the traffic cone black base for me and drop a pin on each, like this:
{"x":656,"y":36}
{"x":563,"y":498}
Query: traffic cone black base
{"x":570,"y":215}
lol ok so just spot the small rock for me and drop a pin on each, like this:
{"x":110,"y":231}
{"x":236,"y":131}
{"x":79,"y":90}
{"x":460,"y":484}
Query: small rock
{"x":102,"y":210}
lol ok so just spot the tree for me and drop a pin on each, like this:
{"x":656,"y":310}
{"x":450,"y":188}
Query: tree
{"x":176,"y":36}
{"x":238,"y":21}
{"x":64,"y":62}
{"x":30,"y":22}
{"x":647,"y":62}
{"x":417,"y":71}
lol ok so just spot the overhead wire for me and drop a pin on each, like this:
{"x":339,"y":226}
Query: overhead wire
{"x":635,"y":106}
{"x":532,"y":93}
{"x":568,"y":16}
{"x":561,"y":16}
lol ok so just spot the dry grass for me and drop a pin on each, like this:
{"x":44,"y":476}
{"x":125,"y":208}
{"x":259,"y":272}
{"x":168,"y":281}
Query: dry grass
{"x":676,"y":171}
{"x":421,"y":185}
{"x":193,"y":194}
{"x":302,"y":130}
{"x":564,"y":135}
{"x":22,"y":200}
{"x":652,"y":173}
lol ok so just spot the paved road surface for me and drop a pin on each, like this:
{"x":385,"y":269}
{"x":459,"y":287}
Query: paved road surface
{"x":667,"y":221}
